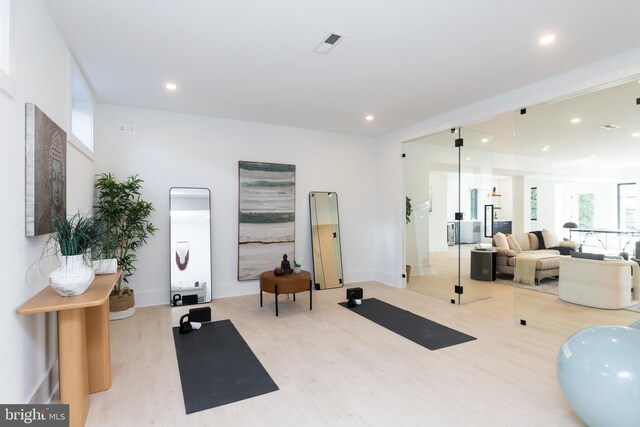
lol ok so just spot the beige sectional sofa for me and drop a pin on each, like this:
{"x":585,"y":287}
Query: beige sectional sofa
{"x":510,"y":246}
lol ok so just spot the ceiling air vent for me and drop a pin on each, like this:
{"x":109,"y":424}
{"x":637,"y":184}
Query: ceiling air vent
{"x":610,"y":127}
{"x":329,"y":42}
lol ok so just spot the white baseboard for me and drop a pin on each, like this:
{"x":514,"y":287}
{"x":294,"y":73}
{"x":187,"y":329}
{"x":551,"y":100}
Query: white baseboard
{"x":47,"y":390}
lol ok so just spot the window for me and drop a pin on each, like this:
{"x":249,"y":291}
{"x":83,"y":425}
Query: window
{"x":627,"y":206}
{"x":7,"y":43}
{"x":586,"y":210}
{"x":534,"y":203}
{"x":81,"y":109}
{"x":473,"y":200}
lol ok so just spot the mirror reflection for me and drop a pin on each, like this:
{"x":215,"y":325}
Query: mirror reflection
{"x":325,"y":239}
{"x":190,"y":246}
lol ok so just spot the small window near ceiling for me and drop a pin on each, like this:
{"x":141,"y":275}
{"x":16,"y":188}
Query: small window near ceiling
{"x":627,"y":206}
{"x":82,"y":104}
{"x":7,"y":42}
{"x":534,"y":203}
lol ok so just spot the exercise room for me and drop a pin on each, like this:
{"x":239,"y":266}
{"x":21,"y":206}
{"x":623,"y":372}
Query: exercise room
{"x":261,"y":214}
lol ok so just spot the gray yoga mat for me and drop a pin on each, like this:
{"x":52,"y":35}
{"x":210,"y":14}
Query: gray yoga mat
{"x":218,"y":367}
{"x":421,"y":331}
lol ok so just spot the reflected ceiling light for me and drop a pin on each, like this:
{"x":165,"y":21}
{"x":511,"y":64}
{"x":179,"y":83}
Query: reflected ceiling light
{"x":636,"y":134}
{"x":171,"y":86}
{"x":484,"y":140}
{"x":546,"y":148}
{"x":547,"y":39}
{"x":576,"y":120}
{"x":369,"y":118}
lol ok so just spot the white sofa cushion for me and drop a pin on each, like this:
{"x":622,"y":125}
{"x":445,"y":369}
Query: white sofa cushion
{"x":500,"y":241}
{"x":550,"y":238}
{"x":513,"y":244}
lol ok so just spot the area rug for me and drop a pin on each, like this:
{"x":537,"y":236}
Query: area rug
{"x":218,"y":367}
{"x":421,"y":331}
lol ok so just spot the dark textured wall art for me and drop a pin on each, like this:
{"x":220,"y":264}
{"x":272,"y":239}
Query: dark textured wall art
{"x":46,"y":171}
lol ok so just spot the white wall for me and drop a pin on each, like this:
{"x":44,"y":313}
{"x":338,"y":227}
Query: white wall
{"x":171,"y":149}
{"x":30,"y":341}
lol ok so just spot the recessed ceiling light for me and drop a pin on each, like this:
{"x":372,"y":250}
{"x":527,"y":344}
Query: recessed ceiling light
{"x":593,"y":156}
{"x":171,"y":86}
{"x":547,"y":39}
{"x":636,"y":134}
{"x":369,"y":118}
{"x":610,"y":127}
{"x":546,"y":148}
{"x":576,"y":120}
{"x":468,"y":158}
{"x":484,"y":140}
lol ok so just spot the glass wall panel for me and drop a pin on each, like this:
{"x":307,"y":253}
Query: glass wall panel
{"x":441,"y":180}
{"x":580,"y":154}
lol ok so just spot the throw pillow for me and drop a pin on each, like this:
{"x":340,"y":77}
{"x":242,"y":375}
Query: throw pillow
{"x":550,"y":238}
{"x":501,"y":241}
{"x":513,"y":244}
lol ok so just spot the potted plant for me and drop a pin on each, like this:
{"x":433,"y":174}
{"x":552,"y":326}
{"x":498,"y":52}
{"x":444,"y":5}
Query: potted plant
{"x":73,"y":238}
{"x":125,"y":218}
{"x":297,"y":266}
{"x":407,"y":211}
{"x":104,"y":250}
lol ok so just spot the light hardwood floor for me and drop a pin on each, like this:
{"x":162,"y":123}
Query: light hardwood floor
{"x":335,"y":368}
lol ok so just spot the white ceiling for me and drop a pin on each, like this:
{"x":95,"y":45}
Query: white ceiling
{"x":402,"y":61}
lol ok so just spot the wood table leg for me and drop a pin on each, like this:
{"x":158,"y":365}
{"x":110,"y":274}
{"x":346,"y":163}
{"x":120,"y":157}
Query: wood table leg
{"x":98,"y":347}
{"x":72,"y":354}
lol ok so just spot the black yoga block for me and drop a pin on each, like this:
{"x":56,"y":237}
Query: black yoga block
{"x":355,"y":293}
{"x":202,"y":314}
{"x":189,"y":299}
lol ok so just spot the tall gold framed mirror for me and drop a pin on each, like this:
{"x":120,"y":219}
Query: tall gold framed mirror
{"x":190,"y":212}
{"x":325,"y":239}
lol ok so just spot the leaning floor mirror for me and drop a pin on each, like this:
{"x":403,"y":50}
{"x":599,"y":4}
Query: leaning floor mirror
{"x":325,"y":239}
{"x":190,"y":212}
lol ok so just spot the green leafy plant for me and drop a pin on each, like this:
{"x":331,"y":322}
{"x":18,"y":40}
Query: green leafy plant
{"x":125,"y":218}
{"x":408,"y":210}
{"x":75,"y":235}
{"x":296,"y":263}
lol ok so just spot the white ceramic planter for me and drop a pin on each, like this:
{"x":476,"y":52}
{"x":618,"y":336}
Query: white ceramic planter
{"x":73,"y":277}
{"x":105,"y":266}
{"x":297,"y":269}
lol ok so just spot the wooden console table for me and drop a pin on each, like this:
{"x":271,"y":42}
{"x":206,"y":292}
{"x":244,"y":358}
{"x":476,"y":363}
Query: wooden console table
{"x":84,"y":353}
{"x":285,"y":284}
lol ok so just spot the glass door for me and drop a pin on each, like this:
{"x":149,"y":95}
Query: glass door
{"x":446,"y":253}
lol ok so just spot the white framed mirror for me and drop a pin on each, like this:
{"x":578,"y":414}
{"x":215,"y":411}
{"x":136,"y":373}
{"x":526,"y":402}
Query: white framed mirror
{"x":190,"y":212}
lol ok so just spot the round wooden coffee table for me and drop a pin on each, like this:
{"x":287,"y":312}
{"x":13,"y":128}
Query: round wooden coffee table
{"x":286,"y":284}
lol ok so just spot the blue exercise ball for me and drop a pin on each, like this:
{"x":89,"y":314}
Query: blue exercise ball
{"x":599,"y":373}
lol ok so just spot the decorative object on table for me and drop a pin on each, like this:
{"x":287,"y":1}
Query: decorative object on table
{"x":177,"y":300}
{"x":201,"y":314}
{"x":266,"y":216}
{"x":103,"y":252}
{"x":73,"y":238}
{"x":46,"y":171}
{"x":285,"y":265}
{"x":125,"y":216}
{"x":598,"y":371}
{"x":182,"y":254}
{"x":297,"y":266}
{"x":278,"y":271}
